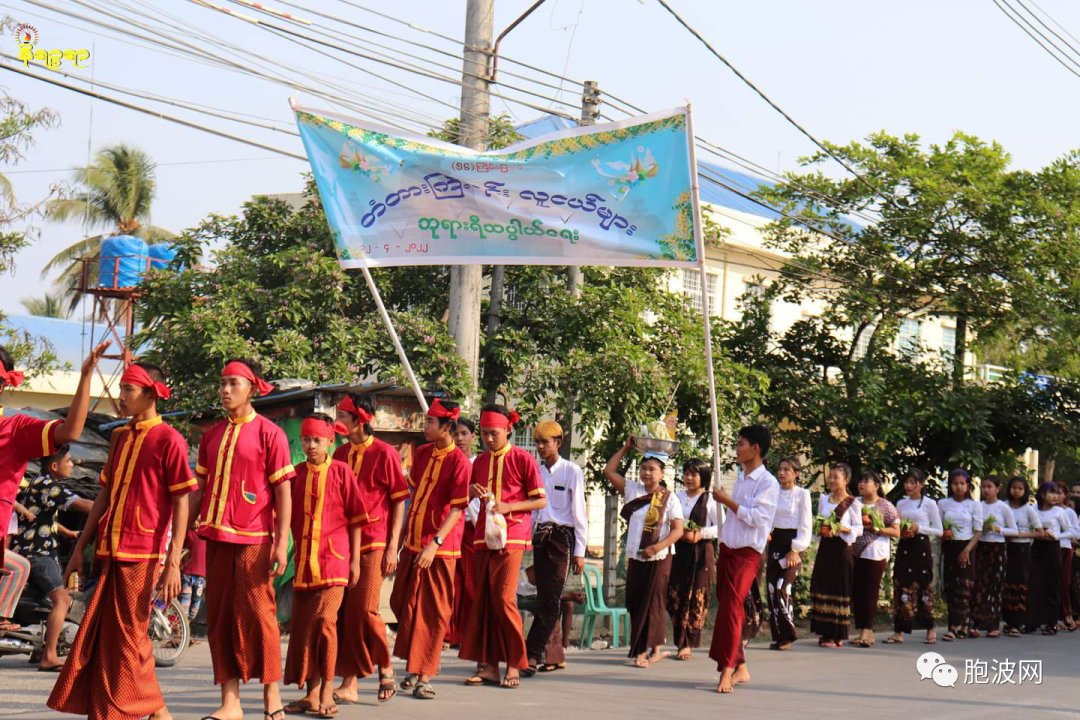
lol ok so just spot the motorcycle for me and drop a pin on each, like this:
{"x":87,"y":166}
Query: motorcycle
{"x":170,"y":631}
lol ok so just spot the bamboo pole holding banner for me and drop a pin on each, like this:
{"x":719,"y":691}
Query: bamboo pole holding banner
{"x":394,"y":336}
{"x":699,"y":241}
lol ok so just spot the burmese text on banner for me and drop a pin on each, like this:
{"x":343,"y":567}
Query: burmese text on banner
{"x":615,"y":194}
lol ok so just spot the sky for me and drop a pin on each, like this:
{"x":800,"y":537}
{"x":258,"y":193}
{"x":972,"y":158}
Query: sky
{"x":841,"y":68}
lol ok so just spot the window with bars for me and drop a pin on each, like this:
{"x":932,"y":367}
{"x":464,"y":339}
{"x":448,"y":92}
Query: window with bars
{"x":691,"y":284}
{"x":863,"y":346}
{"x":523,"y":438}
{"x":907,"y":339}
{"x":948,"y":340}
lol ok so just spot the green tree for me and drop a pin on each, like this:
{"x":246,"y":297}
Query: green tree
{"x":47,"y":305}
{"x":118,"y":189}
{"x":953,"y":231}
{"x":18,"y":123}
{"x":501,"y":132}
{"x":277,"y":293}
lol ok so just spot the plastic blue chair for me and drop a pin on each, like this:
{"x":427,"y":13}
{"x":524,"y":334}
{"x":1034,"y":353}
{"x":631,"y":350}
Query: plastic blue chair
{"x":596,"y":607}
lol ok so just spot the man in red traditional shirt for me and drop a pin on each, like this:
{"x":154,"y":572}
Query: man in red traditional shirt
{"x":508,"y":478}
{"x":423,"y":596}
{"x":110,"y":670}
{"x":23,"y":438}
{"x":362,"y":645}
{"x":326,"y":538}
{"x":244,"y":470}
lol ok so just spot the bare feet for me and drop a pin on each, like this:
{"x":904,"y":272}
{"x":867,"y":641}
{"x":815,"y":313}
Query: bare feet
{"x":347,"y":691}
{"x":641,"y":661}
{"x":162,"y":714}
{"x":741,"y":675}
{"x":725,"y":686}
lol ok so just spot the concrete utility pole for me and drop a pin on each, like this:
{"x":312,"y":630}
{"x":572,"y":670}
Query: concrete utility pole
{"x":466,"y":280}
{"x":590,"y":111}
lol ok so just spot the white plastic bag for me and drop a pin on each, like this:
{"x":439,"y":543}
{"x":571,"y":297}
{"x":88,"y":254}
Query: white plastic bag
{"x":494,"y":527}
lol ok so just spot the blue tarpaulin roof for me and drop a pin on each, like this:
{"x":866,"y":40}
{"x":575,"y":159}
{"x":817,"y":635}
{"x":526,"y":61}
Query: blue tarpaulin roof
{"x":65,"y":338}
{"x":710,"y":192}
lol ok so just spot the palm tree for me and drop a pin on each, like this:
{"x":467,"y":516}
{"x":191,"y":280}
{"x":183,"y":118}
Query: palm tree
{"x":117,"y":191}
{"x":50,"y":306}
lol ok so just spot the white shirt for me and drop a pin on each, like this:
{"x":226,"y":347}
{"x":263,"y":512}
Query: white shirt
{"x":966,"y":517}
{"x":672,"y":511}
{"x":852,"y":518}
{"x":1003,"y":518}
{"x":564,"y":485}
{"x":714,"y":515}
{"x":1027,"y":520}
{"x":1073,"y":529}
{"x":923,"y":512}
{"x":756,"y":495}
{"x":1054,"y":520}
{"x":881,"y":546}
{"x":472,"y":510}
{"x":793,"y":513}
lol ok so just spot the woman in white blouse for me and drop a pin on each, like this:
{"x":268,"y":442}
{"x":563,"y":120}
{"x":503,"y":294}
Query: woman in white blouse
{"x":871,"y":553}
{"x":790,"y":537}
{"x":830,"y":583}
{"x":962,"y":519}
{"x":1067,"y":544}
{"x":1018,"y":555}
{"x":990,"y":559}
{"x":913,"y":571}
{"x":1044,"y":582}
{"x":655,"y":523}
{"x":693,"y":571}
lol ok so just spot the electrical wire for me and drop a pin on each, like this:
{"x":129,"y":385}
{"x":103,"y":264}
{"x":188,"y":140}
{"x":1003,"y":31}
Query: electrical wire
{"x":824,"y":148}
{"x":1020,"y":21}
{"x":147,"y":111}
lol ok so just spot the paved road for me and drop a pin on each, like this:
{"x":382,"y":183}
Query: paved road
{"x":807,"y":682}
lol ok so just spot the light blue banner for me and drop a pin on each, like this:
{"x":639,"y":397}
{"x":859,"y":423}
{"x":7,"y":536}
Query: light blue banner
{"x":616,"y":194}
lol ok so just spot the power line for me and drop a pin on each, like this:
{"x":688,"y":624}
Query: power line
{"x":1020,"y":24}
{"x":1050,"y":29}
{"x":843,"y":163}
{"x":156,"y":164}
{"x":153,"y":113}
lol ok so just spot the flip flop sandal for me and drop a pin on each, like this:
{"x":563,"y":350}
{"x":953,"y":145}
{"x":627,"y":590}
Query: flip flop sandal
{"x":949,"y":637}
{"x":409,"y":682}
{"x":930,"y":641}
{"x":510,"y":683}
{"x":530,"y":670}
{"x":51,"y":668}
{"x":1012,"y":632}
{"x":345,"y":701}
{"x":993,"y":634}
{"x":424,"y":691}
{"x":386,"y":685}
{"x":478,"y":680}
{"x":327,"y":711}
{"x":974,"y":633}
{"x":892,"y":641}
{"x":271,"y":715}
{"x":298,"y":707}
{"x":551,"y":667}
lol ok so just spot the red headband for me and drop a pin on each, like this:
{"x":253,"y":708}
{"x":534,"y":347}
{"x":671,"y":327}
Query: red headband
{"x":239,"y":369}
{"x":495,"y":419}
{"x":347,"y":405}
{"x":437,"y":410}
{"x":136,"y":375}
{"x":11,"y":378}
{"x":314,"y":427}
